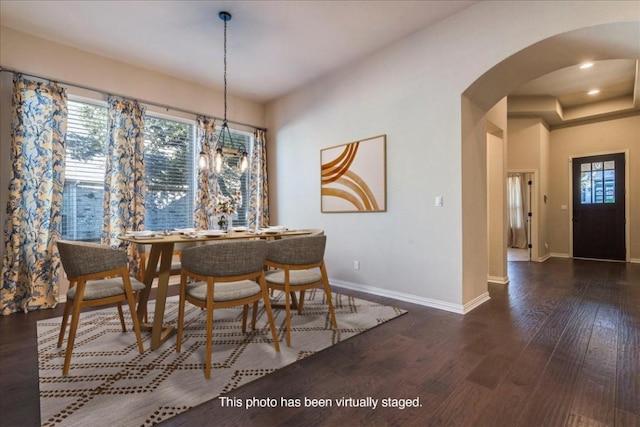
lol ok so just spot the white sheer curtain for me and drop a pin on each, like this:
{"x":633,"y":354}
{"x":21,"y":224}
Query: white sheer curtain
{"x":517,"y":211}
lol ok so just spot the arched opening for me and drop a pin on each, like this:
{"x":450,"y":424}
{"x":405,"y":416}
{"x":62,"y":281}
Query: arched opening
{"x":608,"y":41}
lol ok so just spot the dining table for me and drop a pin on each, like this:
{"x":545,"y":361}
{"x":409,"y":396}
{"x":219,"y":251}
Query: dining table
{"x":162,"y":251}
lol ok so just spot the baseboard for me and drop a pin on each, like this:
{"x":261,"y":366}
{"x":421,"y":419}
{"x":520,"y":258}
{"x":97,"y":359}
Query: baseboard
{"x":427,"y":302}
{"x":498,"y":280}
{"x":543,"y":258}
{"x":476,"y":302}
{"x":631,"y":260}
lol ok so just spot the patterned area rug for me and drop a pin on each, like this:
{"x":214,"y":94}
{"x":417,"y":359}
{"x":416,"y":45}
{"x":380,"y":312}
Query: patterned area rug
{"x":110,"y":383}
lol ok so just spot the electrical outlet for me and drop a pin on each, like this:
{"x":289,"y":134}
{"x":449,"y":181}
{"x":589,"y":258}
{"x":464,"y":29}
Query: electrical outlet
{"x":546,"y":246}
{"x":356,"y":265}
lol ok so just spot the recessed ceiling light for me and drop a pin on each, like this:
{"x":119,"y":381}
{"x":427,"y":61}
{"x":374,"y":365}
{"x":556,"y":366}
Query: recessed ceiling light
{"x":586,"y":65}
{"x":593,"y":92}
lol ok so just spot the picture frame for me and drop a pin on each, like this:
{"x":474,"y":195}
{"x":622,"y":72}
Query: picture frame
{"x":353,"y":176}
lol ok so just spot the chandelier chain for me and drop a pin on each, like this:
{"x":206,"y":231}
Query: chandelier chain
{"x":225,"y":70}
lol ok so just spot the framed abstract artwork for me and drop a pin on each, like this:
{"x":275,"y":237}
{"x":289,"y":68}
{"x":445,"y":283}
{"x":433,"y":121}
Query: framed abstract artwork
{"x":354,"y":176}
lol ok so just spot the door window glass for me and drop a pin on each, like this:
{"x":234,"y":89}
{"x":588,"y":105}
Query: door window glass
{"x":597,"y":182}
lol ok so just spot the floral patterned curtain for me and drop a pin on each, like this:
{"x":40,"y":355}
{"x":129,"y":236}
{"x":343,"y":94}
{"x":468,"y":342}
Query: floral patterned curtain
{"x":205,"y":135}
{"x":258,"y":189}
{"x":124,"y":176}
{"x":31,"y":262}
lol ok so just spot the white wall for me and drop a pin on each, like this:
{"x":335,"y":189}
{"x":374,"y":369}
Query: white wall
{"x":611,"y":136}
{"x":496,"y":209}
{"x":496,"y":189}
{"x":528,"y":150}
{"x":411,"y":91}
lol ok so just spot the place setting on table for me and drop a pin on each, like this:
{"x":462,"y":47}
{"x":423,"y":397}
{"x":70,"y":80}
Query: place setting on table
{"x":191,"y":233}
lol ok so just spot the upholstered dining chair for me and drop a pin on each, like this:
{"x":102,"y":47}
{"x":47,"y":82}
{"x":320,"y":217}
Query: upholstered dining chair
{"x":226,"y":274}
{"x":98,"y":275}
{"x":297,"y":264}
{"x":294,"y":298}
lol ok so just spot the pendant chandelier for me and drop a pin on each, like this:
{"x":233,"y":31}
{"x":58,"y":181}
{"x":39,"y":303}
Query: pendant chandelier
{"x":222,"y":154}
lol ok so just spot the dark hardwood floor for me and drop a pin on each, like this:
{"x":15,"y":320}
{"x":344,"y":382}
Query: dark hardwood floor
{"x":558,"y":346}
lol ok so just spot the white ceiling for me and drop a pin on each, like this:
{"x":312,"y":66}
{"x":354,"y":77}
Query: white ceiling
{"x":275,"y":47}
{"x":614,"y":78}
{"x":563,"y":97}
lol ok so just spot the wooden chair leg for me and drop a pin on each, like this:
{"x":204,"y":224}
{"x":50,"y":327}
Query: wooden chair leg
{"x":287,"y":306}
{"x":267,"y":308}
{"x":294,"y":301}
{"x":209,"y":345}
{"x":327,"y":292}
{"x":136,"y":298}
{"x":131,"y":300}
{"x":181,"y":301}
{"x":65,"y":318}
{"x":301,"y":302}
{"x":254,"y":315}
{"x":121,"y":315}
{"x":245,"y":310}
{"x":75,"y":318}
{"x":207,"y":366}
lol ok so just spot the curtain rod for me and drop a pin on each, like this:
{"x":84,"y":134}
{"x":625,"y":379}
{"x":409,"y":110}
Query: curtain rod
{"x":154,"y":104}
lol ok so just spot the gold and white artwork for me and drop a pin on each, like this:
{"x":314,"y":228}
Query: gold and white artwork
{"x":354,"y":176}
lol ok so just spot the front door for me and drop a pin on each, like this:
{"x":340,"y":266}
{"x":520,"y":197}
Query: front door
{"x":599,"y":207}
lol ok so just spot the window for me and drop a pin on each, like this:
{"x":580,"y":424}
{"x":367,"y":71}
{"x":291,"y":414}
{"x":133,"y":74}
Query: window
{"x":597,"y":182}
{"x":169,"y":173}
{"x":231,"y":180}
{"x":83,"y":193}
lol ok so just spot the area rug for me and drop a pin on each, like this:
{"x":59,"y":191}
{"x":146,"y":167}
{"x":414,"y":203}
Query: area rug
{"x":111,"y":383}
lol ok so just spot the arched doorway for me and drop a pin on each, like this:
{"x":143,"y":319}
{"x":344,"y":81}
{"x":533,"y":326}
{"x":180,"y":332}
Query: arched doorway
{"x":608,"y":41}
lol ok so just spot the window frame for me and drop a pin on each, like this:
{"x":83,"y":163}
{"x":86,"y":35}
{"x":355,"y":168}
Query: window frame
{"x":76,"y":230}
{"x":193,"y":182}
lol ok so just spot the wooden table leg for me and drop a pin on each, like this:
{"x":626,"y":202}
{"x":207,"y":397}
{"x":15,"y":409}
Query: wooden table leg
{"x":159,"y":333}
{"x":293,"y":303}
{"x":163,"y":252}
{"x":152,"y":262}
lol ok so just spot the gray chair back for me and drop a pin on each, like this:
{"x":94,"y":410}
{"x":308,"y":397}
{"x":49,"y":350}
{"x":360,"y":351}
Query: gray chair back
{"x":82,"y":258}
{"x":300,"y":251}
{"x":234,"y":258}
